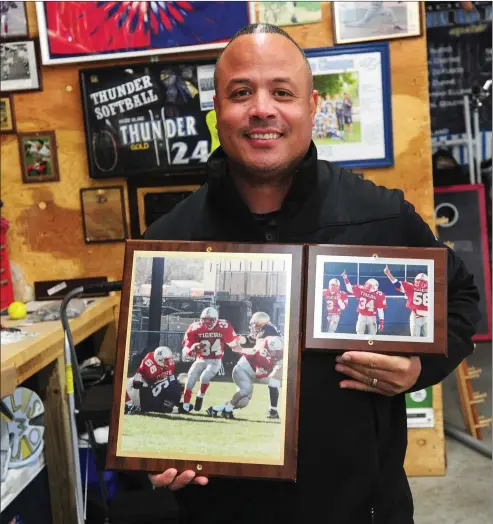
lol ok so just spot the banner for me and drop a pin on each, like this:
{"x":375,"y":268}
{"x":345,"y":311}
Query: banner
{"x":148,"y":119}
{"x":459,"y":60}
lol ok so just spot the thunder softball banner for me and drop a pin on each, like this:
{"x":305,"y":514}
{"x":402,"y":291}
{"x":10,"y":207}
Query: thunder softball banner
{"x":148,"y":119}
{"x":85,"y":31}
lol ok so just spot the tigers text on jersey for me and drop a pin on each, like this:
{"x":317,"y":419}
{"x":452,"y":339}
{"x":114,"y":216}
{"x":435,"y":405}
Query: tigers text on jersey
{"x":214,"y":339}
{"x":151,"y":371}
{"x":369,"y":301}
{"x":332,"y":301}
{"x":417,"y":299}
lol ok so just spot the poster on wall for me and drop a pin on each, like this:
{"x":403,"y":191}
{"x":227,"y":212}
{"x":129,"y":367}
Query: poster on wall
{"x":86,"y":31}
{"x":289,"y":13}
{"x":148,"y":119}
{"x":353,"y":122}
{"x":459,"y":61}
{"x":419,"y":409}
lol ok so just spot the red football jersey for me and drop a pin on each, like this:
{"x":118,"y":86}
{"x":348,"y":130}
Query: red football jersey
{"x":262,"y":362}
{"x":332,"y":301}
{"x":214,"y":339}
{"x":369,"y":302}
{"x":151,"y":371}
{"x":417,"y":299}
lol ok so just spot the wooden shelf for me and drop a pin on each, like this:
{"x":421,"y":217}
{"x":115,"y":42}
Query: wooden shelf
{"x":18,"y":479}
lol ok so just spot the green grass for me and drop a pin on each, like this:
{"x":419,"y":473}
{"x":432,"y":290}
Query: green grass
{"x":251,"y":435}
{"x":355,"y":137}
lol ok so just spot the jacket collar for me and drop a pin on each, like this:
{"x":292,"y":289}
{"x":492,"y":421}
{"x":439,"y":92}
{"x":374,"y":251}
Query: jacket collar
{"x":222,"y":191}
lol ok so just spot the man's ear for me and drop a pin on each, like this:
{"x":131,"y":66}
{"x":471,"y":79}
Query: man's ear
{"x":216,"y":107}
{"x":313,"y":104}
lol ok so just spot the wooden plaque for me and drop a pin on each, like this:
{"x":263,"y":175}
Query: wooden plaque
{"x":169,"y":291}
{"x":352,"y":304}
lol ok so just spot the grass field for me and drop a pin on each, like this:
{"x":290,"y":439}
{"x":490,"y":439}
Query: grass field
{"x":350,"y":139}
{"x":250,"y":436}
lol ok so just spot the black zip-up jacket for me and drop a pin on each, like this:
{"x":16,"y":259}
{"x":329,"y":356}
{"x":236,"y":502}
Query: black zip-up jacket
{"x":351,"y":444}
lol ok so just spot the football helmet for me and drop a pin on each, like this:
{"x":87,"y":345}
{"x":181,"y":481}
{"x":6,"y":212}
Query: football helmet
{"x":421,"y":281}
{"x":209,"y":317}
{"x":334,"y":285}
{"x":163,"y":356}
{"x":257,"y":322}
{"x":371,"y":285}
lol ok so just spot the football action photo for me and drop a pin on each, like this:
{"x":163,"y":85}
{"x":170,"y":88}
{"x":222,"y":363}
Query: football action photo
{"x":360,"y":298}
{"x":216,"y":362}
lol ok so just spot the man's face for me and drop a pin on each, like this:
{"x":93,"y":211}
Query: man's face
{"x":264,"y":104}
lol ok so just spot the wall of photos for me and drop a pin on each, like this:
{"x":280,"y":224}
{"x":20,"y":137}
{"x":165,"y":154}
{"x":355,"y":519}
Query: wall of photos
{"x":46,"y":236}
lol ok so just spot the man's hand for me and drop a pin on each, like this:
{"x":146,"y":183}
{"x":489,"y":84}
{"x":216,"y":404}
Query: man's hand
{"x":393,"y":374}
{"x":171,"y":480}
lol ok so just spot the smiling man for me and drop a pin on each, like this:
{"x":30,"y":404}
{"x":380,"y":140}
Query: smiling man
{"x":265,"y":184}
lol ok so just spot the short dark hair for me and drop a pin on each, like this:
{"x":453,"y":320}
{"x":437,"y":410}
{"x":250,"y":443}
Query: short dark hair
{"x":252,"y":29}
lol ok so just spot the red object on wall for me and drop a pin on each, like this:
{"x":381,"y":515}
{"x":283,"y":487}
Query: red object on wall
{"x":6,"y":288}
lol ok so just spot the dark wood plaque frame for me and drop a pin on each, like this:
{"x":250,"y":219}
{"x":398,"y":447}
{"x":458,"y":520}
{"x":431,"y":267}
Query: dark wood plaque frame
{"x":374,"y":345}
{"x":287,"y":471}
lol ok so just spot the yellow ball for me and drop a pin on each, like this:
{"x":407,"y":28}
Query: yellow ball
{"x":17,"y":310}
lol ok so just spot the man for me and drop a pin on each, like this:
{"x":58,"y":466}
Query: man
{"x":204,"y":341}
{"x":348,"y":113}
{"x":417,"y":301}
{"x":154,"y":386}
{"x":336,"y":301}
{"x":266,"y":184}
{"x":371,"y":302}
{"x":5,"y":7}
{"x":338,"y":104}
{"x":256,"y":364}
{"x":260,"y":328}
{"x":377,"y":9}
{"x":40,"y":154}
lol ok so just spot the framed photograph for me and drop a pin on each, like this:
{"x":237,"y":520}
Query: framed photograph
{"x":149,"y":119}
{"x":154,"y":202}
{"x":227,"y":346}
{"x":379,"y":299}
{"x":366,"y":21}
{"x":7,"y":116}
{"x":38,"y":153}
{"x":88,"y":31}
{"x":289,"y":13}
{"x":19,"y":70}
{"x":13,"y":20}
{"x":103,"y":214}
{"x":353,"y":123}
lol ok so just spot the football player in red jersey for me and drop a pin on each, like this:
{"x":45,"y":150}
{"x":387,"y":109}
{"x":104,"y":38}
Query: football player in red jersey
{"x":154,"y":386}
{"x":371,"y":302}
{"x":417,"y":301}
{"x":204,"y":341}
{"x":259,"y":363}
{"x":336,"y":302}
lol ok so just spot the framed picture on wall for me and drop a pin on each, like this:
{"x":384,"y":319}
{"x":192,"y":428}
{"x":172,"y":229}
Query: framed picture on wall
{"x":38,"y":154}
{"x":155,"y":202}
{"x":103,"y":214}
{"x":89,"y":31}
{"x":20,"y":70}
{"x":220,"y":301}
{"x":289,"y":13}
{"x":367,"y":21}
{"x":377,"y":299}
{"x":149,"y":119}
{"x":353,"y":122}
{"x":7,"y":116}
{"x":14,"y":20}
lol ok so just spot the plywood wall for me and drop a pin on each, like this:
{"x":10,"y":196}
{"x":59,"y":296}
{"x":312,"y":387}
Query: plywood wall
{"x":46,"y":238}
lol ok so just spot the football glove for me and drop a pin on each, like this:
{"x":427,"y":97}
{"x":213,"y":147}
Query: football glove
{"x":137,"y":384}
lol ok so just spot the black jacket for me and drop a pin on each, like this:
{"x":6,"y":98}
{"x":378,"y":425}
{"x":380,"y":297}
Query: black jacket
{"x":351,"y":444}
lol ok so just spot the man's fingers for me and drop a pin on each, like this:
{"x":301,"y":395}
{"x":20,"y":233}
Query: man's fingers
{"x":170,"y":479}
{"x":374,"y":360}
{"x":367,"y":380}
{"x":354,"y":384}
